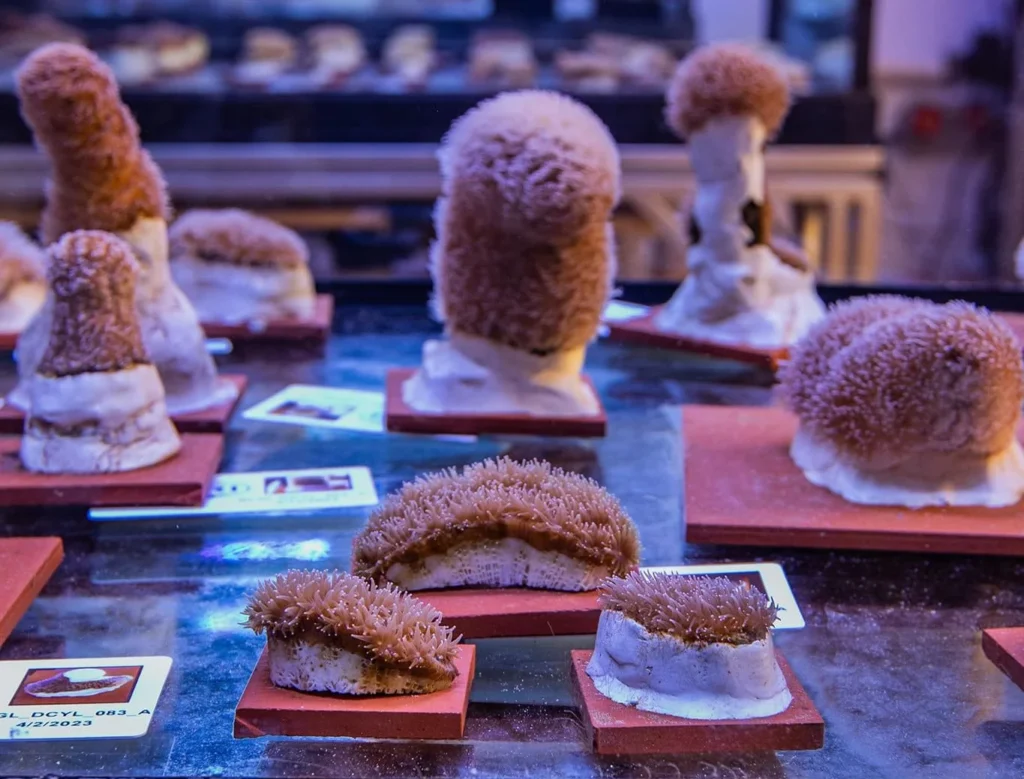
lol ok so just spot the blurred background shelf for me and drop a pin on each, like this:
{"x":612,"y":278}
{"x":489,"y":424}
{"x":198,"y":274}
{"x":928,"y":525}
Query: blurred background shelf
{"x":891,"y":165}
{"x":836,"y":189}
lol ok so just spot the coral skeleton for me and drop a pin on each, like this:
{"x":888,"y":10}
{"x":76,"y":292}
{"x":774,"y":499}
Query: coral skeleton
{"x":22,"y":278}
{"x":524,"y":260}
{"x":498,"y":524}
{"x":741,"y":288}
{"x":103,"y":179}
{"x":690,"y":646}
{"x":332,"y":632}
{"x":235,"y":266}
{"x":908,"y":402}
{"x":96,"y":404}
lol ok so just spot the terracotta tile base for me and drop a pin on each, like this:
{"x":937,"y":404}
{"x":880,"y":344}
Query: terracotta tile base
{"x":266,"y":710}
{"x":504,"y":613}
{"x":316,"y":329}
{"x":26,"y":564}
{"x":184,"y":480}
{"x":617,"y":729}
{"x":216,"y":419}
{"x":402,"y":419}
{"x":743,"y":488}
{"x":210,"y":420}
{"x":1005,"y":648}
{"x":643,"y":331}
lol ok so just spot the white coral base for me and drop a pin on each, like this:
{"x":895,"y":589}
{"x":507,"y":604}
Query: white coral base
{"x":123,"y":415}
{"x":508,"y":562}
{"x":759,"y":302}
{"x":472,"y":375}
{"x":943,"y":479}
{"x":662,"y":674}
{"x":20,"y":305}
{"x":319,"y":667}
{"x":234,"y":294}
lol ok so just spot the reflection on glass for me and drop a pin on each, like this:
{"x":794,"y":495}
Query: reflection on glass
{"x":309,"y":550}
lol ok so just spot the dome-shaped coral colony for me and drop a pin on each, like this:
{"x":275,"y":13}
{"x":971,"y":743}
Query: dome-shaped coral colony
{"x":102,"y":178}
{"x":498,"y":523}
{"x":524,"y":255}
{"x":236,"y":237}
{"x":721,"y":81}
{"x":885,"y":378}
{"x":696,"y":610}
{"x":404,"y":646}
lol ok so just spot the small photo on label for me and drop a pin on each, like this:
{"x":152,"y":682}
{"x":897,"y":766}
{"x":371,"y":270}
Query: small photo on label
{"x":293,"y":408}
{"x":57,"y":686}
{"x":283,"y":485}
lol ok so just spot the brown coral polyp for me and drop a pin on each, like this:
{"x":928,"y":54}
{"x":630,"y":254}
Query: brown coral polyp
{"x":524,"y":255}
{"x":378,"y":621}
{"x":102,"y":178}
{"x":725,"y":80}
{"x":697,"y":610}
{"x":95,"y":327}
{"x":535,"y":502}
{"x":883,"y":379}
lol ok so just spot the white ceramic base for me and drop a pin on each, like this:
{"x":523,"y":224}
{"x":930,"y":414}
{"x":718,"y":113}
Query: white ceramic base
{"x":464,"y":374}
{"x":922,"y":480}
{"x":661,"y":674}
{"x":121,"y":416}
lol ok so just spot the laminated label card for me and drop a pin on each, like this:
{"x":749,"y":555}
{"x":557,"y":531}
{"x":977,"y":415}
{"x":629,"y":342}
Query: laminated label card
{"x":304,"y":404}
{"x":263,"y":492}
{"x":341,"y":409}
{"x":218,"y":346}
{"x":769,"y":578}
{"x":104,"y":697}
{"x":621,"y":311}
